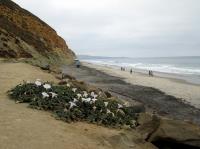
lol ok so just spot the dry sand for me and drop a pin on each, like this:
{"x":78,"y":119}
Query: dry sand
{"x":25,"y":128}
{"x":190,"y":93}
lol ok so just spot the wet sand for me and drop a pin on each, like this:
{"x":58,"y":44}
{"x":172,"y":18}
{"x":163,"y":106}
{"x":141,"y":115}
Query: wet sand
{"x":142,"y":91}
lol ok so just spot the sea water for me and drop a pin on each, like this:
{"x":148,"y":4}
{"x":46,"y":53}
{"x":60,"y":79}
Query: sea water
{"x":186,"y":68}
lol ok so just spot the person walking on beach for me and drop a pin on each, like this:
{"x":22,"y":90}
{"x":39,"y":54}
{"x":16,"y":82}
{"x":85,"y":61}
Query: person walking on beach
{"x":150,"y":73}
{"x":131,"y":71}
{"x":122,"y":68}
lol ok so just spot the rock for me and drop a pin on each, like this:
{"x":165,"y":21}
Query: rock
{"x":67,"y":76}
{"x":45,"y":67}
{"x":55,"y":69}
{"x":155,"y":130}
{"x":108,"y":94}
{"x":23,"y":35}
{"x":85,"y":87}
{"x":147,"y":125}
{"x":62,"y":82}
{"x":177,"y":131}
{"x":59,"y":77}
{"x":144,"y":118}
{"x":130,"y":140}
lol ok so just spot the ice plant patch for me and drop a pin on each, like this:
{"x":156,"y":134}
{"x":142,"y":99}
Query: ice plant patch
{"x":69,"y":103}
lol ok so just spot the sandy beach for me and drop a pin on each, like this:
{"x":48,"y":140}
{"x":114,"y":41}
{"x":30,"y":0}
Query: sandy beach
{"x":19,"y":123}
{"x":190,"y":93}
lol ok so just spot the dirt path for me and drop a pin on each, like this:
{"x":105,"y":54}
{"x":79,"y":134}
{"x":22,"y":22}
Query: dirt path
{"x":153,"y":99}
{"x":25,"y":128}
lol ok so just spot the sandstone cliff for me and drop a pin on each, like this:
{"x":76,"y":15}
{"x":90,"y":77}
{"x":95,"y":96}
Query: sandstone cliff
{"x":23,"y":35}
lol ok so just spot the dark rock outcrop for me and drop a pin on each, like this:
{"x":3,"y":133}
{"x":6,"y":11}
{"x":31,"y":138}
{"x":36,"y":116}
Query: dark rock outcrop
{"x":23,"y":35}
{"x":169,"y":133}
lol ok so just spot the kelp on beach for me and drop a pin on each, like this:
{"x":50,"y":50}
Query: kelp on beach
{"x":69,"y":104}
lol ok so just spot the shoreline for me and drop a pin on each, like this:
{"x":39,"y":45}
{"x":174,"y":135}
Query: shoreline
{"x":188,"y":79}
{"x":154,"y":100}
{"x":188,"y":92}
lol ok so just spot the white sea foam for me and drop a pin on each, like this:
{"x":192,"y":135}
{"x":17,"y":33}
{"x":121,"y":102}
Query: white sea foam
{"x":165,"y":68}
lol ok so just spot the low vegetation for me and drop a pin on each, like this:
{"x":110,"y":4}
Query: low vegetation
{"x":72,"y":104}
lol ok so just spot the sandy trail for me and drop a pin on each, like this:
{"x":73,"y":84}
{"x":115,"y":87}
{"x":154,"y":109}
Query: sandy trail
{"x":177,"y":88}
{"x":25,"y":128}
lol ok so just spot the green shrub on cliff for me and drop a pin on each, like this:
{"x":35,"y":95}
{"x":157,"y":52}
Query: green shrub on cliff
{"x":71,"y":104}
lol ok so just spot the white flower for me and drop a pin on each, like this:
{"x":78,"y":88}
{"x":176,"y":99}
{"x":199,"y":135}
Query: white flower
{"x":108,"y":111}
{"x":94,"y":108}
{"x":72,"y":104}
{"x":68,"y":85}
{"x":126,"y":104}
{"x":121,"y":111}
{"x":113,"y":114}
{"x":85,"y":94}
{"x":18,"y":102}
{"x":106,"y":104}
{"x":38,"y":83}
{"x":44,"y":95}
{"x":94,"y":99}
{"x":100,"y":92}
{"x":79,"y":96}
{"x":86,"y":99}
{"x":75,"y":100}
{"x":47,"y":86}
{"x":83,"y":99}
{"x":74,"y":89}
{"x":53,"y":94}
{"x":120,"y":106}
{"x":94,"y":95}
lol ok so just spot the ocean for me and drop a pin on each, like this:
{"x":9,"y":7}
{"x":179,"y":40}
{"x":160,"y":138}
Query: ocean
{"x":185,"y":68}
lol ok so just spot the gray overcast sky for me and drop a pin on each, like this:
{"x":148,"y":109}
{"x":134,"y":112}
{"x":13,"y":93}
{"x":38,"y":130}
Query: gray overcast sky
{"x":133,"y":28}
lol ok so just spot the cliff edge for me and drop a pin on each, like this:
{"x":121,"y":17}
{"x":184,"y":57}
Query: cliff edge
{"x":25,"y":36}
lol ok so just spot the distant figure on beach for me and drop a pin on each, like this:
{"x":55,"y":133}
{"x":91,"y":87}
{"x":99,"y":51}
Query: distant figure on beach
{"x":131,"y":71}
{"x":122,"y":68}
{"x":150,"y":73}
{"x":77,"y":63}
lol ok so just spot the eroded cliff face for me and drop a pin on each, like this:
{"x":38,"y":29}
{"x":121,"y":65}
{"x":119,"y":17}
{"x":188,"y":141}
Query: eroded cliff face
{"x":23,"y":35}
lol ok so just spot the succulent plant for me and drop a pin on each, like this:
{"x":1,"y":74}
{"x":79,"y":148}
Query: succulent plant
{"x":68,"y":105}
